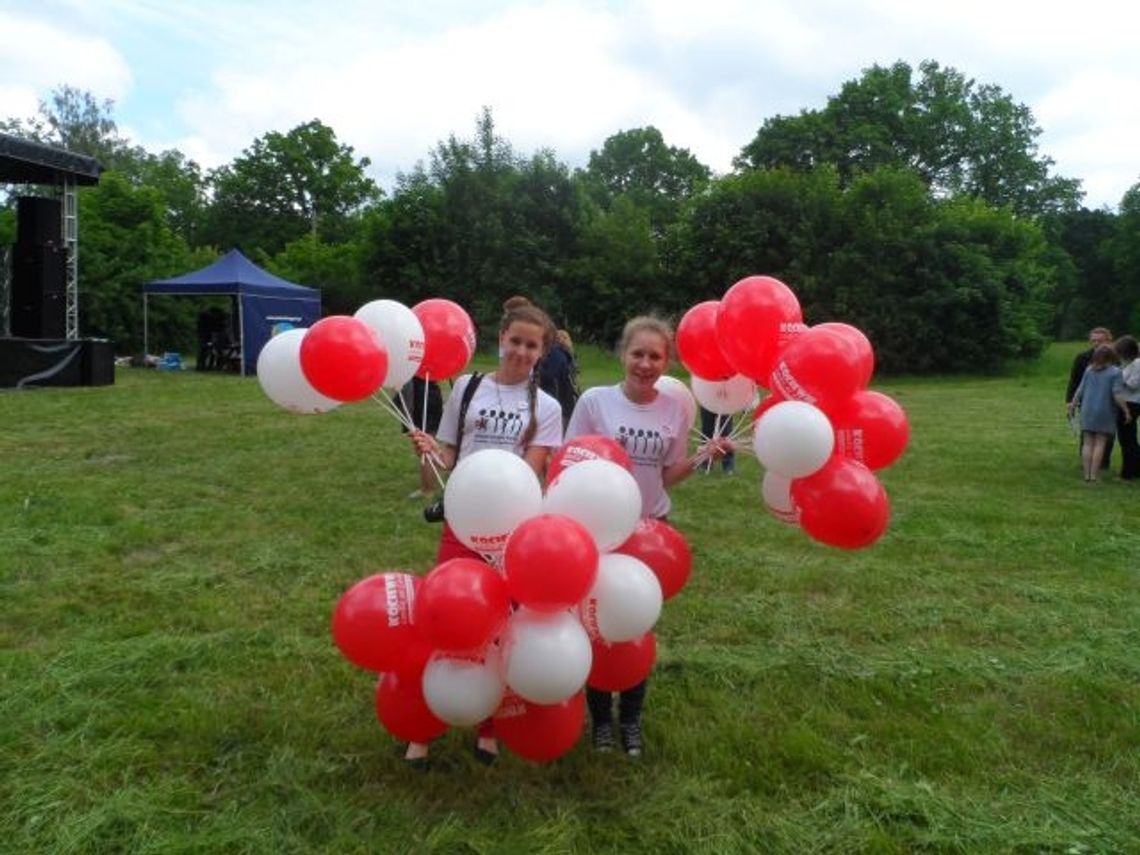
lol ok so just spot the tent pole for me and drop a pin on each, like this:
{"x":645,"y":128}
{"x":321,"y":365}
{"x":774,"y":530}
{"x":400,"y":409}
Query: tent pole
{"x":241,"y":328}
{"x":145,"y":331}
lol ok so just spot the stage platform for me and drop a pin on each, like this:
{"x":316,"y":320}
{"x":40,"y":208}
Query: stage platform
{"x":32,"y":362}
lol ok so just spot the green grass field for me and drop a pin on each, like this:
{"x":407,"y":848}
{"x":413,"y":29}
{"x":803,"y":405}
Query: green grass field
{"x":171,"y":549}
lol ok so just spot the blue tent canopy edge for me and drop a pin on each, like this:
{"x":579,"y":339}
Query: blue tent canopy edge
{"x":264,"y":300}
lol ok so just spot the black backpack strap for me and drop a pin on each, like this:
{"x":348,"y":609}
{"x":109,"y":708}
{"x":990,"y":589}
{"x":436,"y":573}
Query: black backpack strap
{"x":464,"y":403}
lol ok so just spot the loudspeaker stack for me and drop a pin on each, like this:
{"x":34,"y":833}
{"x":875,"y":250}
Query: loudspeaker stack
{"x":38,"y":306}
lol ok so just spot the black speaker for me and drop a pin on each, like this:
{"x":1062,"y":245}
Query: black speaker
{"x":38,"y":307}
{"x":38,"y":221}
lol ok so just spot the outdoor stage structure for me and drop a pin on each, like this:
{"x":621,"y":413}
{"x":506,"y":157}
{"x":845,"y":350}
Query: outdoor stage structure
{"x":39,"y":299}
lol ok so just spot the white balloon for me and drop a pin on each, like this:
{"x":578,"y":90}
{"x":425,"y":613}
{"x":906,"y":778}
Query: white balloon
{"x":678,"y":391}
{"x":601,"y":495}
{"x":625,"y":601}
{"x":488,"y":494}
{"x":776,"y":490}
{"x":548,"y":655}
{"x":724,"y":397}
{"x":279,"y":373}
{"x":402,"y":335}
{"x":793,"y":438}
{"x":463,"y":690}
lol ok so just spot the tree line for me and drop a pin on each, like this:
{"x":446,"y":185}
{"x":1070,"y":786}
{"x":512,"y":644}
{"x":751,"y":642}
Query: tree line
{"x":914,"y":205}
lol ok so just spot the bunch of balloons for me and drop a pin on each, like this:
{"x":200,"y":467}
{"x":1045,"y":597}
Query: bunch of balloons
{"x":344,"y":358}
{"x":572,"y":587}
{"x":821,"y":433}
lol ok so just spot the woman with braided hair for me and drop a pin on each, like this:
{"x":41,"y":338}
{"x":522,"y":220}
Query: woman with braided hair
{"x":507,"y":411}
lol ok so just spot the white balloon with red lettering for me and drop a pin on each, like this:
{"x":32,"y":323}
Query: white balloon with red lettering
{"x":724,"y":397}
{"x":599,"y":494}
{"x":793,"y":438}
{"x":547,"y":654}
{"x":462,"y":690}
{"x":402,"y":334}
{"x":625,"y":601}
{"x":488,"y":494}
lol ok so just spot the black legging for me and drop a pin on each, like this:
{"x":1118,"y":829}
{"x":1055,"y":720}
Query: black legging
{"x":1129,"y":450}
{"x":629,"y":704}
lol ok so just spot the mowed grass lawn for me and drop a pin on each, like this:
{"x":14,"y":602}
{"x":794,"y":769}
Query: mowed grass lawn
{"x":171,"y":549}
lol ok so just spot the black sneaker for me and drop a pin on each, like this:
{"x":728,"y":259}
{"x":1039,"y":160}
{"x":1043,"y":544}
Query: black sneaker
{"x":631,"y":738}
{"x":603,"y":737}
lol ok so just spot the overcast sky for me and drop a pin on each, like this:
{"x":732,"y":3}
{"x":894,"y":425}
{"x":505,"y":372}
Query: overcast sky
{"x":394,"y":77}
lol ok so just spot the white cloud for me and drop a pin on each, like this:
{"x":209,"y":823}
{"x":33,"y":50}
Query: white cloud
{"x":39,"y":56}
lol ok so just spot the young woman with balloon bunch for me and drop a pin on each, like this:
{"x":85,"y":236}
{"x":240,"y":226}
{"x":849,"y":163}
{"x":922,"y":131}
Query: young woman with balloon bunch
{"x":508,"y":412}
{"x":653,"y":428}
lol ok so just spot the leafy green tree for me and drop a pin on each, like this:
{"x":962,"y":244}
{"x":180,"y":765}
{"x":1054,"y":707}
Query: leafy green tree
{"x":1125,"y":252}
{"x":1088,"y":290}
{"x":286,"y":185}
{"x":334,"y":268}
{"x":638,"y":165}
{"x":959,"y":137}
{"x":127,"y":242}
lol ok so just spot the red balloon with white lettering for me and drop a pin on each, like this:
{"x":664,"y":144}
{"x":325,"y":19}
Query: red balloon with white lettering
{"x":622,"y":665}
{"x":843,"y":504}
{"x":401,"y":708}
{"x":372,"y":624}
{"x":697,"y":343}
{"x":587,"y":447}
{"x":461,"y":605}
{"x":540,"y":732}
{"x":818,"y":367}
{"x":870,"y":427}
{"x":757,"y":317}
{"x":449,"y":338}
{"x":664,"y":550}
{"x":342,"y":358}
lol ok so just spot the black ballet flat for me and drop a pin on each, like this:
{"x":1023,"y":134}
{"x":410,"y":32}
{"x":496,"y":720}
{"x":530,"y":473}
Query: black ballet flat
{"x":419,"y":764}
{"x":487,"y":758}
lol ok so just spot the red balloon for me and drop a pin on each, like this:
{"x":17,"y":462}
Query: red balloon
{"x":843,"y":504}
{"x":819,"y":366}
{"x":449,"y":338}
{"x":343,"y":359}
{"x":666,"y":552}
{"x":865,"y":354}
{"x":372,"y":624}
{"x":540,"y":732}
{"x":587,"y":447}
{"x":697,"y":345}
{"x":401,"y":708}
{"x":551,"y":562}
{"x":461,"y":605}
{"x":623,"y":664}
{"x":757,"y":317}
{"x":870,"y":427}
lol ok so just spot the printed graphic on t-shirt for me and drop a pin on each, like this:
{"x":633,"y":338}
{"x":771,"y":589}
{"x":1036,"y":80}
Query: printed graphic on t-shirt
{"x":498,"y":427}
{"x":644,"y":446}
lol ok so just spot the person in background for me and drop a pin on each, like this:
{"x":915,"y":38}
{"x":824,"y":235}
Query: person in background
{"x":1128,"y":352}
{"x":709,"y":427}
{"x":507,"y":411}
{"x":412,"y":401}
{"x":557,"y":374}
{"x":1097,"y":337}
{"x":653,"y":429}
{"x":1098,"y":396}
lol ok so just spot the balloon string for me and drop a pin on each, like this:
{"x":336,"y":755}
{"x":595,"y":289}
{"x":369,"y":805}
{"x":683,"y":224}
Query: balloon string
{"x":388,"y":406}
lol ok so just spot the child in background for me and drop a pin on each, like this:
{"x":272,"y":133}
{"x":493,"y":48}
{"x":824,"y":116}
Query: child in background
{"x":1098,"y":396}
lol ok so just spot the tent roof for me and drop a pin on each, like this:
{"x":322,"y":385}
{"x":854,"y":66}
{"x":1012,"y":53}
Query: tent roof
{"x":25,"y":162}
{"x":233,"y":273}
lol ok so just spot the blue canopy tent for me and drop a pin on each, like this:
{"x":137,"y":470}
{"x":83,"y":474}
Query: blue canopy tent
{"x":263,"y":300}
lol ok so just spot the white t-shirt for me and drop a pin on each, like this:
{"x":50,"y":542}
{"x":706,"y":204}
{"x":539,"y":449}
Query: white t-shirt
{"x":654,"y":435}
{"x":498,"y":416}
